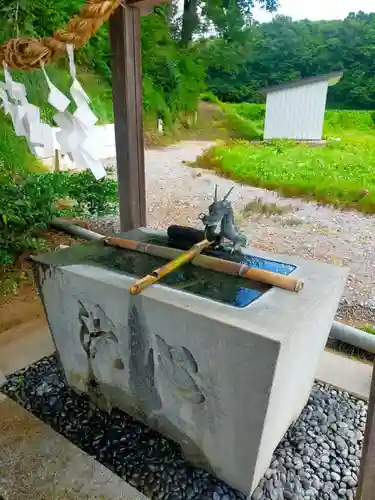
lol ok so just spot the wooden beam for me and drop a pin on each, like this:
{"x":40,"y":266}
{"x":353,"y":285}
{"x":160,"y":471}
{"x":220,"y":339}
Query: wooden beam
{"x":141,"y":4}
{"x":124,"y":27}
{"x":366,"y":486}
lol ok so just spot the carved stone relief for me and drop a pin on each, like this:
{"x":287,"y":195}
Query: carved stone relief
{"x":97,"y":333}
{"x":178,"y":365}
{"x":151,"y":363}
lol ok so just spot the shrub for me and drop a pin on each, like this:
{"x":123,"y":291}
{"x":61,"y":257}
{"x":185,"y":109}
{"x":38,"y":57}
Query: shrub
{"x":241,"y":127}
{"x":210,"y":97}
{"x":27,"y":206}
{"x":254,"y":112}
{"x":15,"y":157}
{"x":349,"y":120}
{"x":173,"y":78}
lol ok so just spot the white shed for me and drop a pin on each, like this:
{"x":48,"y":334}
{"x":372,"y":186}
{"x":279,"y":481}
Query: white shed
{"x":295,"y":110}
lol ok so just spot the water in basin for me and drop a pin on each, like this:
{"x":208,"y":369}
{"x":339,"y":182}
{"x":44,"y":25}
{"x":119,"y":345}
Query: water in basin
{"x":233,"y":290}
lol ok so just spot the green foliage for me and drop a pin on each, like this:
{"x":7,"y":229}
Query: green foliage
{"x":340,"y":121}
{"x":368,"y":329}
{"x":26,"y":206}
{"x":93,"y":197}
{"x":154,"y":105}
{"x":172,"y":79}
{"x":28,"y":196}
{"x":232,"y":118}
{"x":15,"y":157}
{"x":210,"y":97}
{"x":337,"y":123}
{"x":24,"y":209}
{"x":244,"y":121}
{"x":254,"y":112}
{"x":230,"y":16}
{"x":224,"y":62}
{"x":243,"y":128}
{"x":341,"y":173}
{"x":42,"y":17}
{"x":284,"y":50}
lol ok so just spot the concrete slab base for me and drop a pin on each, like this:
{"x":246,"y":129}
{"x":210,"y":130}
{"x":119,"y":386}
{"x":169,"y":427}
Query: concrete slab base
{"x":24,"y":345}
{"x":37,"y":463}
{"x":346,"y":374}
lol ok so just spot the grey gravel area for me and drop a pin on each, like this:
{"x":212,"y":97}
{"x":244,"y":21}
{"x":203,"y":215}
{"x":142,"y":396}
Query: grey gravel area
{"x":177,"y":193}
{"x":318,"y":458}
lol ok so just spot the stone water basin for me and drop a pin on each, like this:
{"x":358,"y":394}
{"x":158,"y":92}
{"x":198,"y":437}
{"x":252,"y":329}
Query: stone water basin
{"x":221,"y":365}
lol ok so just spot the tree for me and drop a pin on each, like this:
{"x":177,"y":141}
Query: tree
{"x":190,"y":21}
{"x":227,"y":17}
{"x":283,"y":50}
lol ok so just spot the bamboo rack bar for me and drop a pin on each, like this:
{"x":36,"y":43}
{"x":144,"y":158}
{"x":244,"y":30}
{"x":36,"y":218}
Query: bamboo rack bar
{"x":213,"y":263}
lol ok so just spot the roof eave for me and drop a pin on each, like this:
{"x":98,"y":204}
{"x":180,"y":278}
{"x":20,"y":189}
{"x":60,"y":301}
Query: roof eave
{"x":332,"y":78}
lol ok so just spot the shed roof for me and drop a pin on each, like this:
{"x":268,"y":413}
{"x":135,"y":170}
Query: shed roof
{"x":332,"y":79}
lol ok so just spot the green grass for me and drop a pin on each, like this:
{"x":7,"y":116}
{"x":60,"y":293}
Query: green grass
{"x":252,"y":112}
{"x":348,"y":122}
{"x":368,"y":329}
{"x":15,"y":156}
{"x":335,"y":120}
{"x":336,"y":124}
{"x":342,"y":173}
{"x":240,"y":126}
{"x":349,"y":350}
{"x":233,"y":121}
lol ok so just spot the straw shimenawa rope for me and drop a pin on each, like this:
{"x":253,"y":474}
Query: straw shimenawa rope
{"x":30,"y":53}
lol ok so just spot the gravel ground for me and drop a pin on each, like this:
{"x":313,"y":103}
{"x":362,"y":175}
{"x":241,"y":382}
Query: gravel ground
{"x":318,"y":458}
{"x":177,"y":194}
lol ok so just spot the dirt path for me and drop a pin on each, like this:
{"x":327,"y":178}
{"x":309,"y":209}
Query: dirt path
{"x":24,"y":306}
{"x":177,"y":193}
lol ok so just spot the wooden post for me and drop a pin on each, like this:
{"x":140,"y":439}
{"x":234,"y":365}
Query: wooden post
{"x":2,"y":378}
{"x":366,"y":486}
{"x":57,"y":160}
{"x":124,"y":28}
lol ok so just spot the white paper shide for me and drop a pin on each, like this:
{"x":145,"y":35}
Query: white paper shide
{"x":24,"y":115}
{"x":75,"y":130}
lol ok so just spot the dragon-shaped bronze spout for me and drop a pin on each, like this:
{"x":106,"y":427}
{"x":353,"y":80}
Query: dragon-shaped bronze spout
{"x":219,"y":223}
